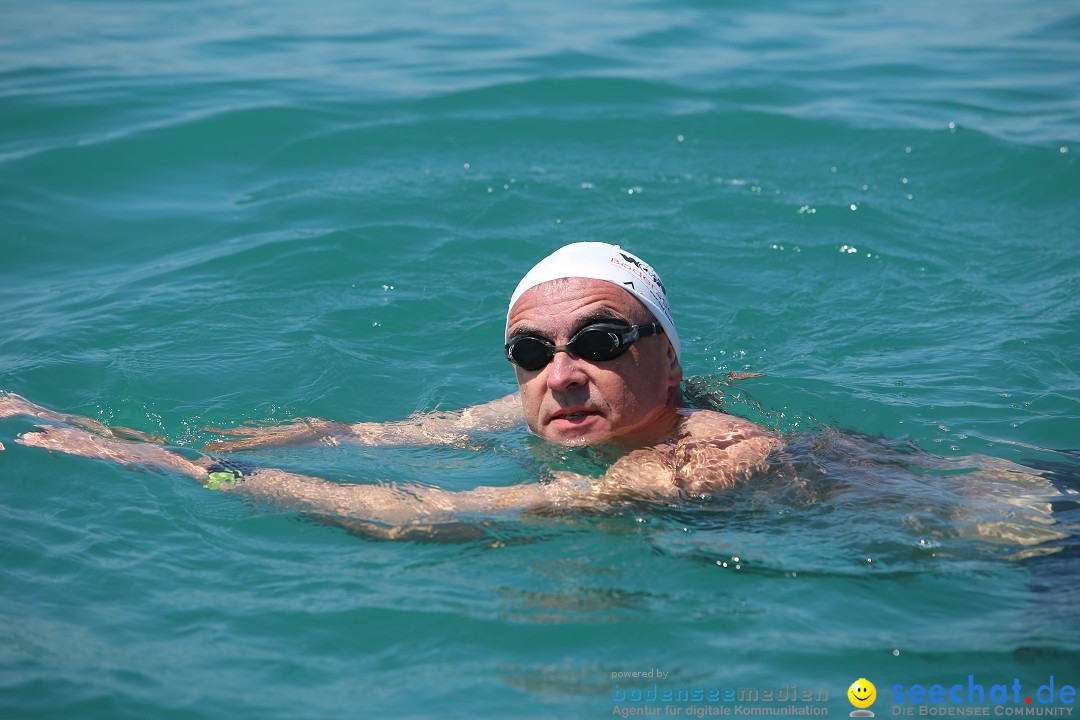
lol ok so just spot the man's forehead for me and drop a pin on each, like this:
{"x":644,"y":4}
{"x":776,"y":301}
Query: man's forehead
{"x":569,"y":298}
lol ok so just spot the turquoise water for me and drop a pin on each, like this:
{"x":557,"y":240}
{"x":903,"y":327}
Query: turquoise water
{"x":214,"y":212}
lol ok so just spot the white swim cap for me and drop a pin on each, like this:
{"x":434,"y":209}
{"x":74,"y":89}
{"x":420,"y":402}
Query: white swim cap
{"x":603,"y":261}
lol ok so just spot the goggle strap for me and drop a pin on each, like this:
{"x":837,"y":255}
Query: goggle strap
{"x":639,"y":331}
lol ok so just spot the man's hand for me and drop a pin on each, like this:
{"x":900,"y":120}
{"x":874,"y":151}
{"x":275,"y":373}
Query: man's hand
{"x":421,"y":430}
{"x":12,"y":405}
{"x":302,"y":431}
{"x":453,"y":427}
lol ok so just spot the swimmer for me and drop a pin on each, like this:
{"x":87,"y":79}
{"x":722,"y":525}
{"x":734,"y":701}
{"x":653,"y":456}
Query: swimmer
{"x":596,"y":354}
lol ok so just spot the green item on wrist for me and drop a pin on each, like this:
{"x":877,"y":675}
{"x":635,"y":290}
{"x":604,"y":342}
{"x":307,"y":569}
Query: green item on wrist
{"x":227,"y":472}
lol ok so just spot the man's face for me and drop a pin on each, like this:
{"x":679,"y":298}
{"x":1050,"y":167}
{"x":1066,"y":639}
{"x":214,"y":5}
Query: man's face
{"x":572,"y":401}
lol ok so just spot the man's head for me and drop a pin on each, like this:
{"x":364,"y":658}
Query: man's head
{"x":611,"y":385}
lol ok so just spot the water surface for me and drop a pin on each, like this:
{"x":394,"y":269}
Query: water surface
{"x":215,"y":212}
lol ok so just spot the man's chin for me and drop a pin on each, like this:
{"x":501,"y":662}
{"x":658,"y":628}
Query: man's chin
{"x":596,"y":430}
{"x":589,"y":430}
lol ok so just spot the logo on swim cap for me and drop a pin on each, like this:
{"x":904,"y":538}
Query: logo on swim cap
{"x":646,"y":268}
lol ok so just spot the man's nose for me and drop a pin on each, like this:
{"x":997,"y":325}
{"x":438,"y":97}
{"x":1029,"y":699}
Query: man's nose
{"x":565,"y":371}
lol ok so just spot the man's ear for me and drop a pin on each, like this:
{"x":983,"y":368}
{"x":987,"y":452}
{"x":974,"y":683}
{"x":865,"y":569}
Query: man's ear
{"x":673,"y":366}
{"x":673,"y":378}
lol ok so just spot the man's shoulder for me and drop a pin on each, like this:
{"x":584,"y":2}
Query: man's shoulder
{"x":709,"y":451}
{"x":714,"y":450}
{"x":707,"y":424}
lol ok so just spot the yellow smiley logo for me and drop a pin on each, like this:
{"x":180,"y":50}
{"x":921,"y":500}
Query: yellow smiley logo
{"x":862,"y":693}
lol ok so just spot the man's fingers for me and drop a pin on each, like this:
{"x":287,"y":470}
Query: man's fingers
{"x":128,"y":434}
{"x":12,"y":405}
{"x":242,"y":431}
{"x":228,"y":431}
{"x":227,"y":445}
{"x":268,"y":436}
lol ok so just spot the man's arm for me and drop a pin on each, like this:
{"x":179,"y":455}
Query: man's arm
{"x":433,"y":428}
{"x":388,"y":511}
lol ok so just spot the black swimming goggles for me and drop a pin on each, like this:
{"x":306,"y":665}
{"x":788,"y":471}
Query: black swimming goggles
{"x":599,"y":342}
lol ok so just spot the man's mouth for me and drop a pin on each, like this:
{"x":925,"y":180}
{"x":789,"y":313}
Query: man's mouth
{"x":574,"y":416}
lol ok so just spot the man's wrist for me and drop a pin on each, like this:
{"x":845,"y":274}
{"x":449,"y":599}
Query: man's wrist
{"x":227,"y":472}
